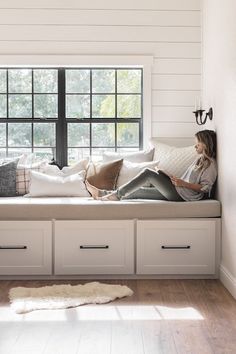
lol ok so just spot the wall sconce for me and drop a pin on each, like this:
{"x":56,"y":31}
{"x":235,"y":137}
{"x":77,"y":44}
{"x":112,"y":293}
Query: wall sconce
{"x":200,"y":119}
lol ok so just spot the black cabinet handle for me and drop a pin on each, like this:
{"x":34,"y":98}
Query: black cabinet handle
{"x":92,"y":247}
{"x":13,"y":247}
{"x":175,"y":247}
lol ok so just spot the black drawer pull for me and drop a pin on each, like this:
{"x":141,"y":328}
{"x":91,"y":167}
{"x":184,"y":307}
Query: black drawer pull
{"x":175,"y":247}
{"x":13,"y":247}
{"x":93,"y":247}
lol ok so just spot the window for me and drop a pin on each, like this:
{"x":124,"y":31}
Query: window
{"x":70,"y":113}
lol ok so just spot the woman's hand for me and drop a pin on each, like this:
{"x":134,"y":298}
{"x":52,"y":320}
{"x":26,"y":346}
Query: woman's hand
{"x":178,"y":182}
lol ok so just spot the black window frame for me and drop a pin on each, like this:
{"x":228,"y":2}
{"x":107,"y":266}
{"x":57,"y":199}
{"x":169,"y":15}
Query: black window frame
{"x":61,"y":121}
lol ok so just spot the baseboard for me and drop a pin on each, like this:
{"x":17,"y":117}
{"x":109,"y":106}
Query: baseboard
{"x":228,"y":280}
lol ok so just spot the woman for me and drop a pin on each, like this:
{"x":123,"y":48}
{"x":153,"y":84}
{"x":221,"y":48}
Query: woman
{"x":195,"y":184}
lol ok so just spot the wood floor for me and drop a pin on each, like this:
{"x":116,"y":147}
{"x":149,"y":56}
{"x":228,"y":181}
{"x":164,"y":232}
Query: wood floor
{"x":163,"y":316}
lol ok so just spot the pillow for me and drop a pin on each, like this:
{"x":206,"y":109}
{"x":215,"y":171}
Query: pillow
{"x":42,"y":185}
{"x":8,"y":179}
{"x":139,"y":156}
{"x":54,"y":170}
{"x":75,"y":168}
{"x":173,"y":160}
{"x":23,"y":176}
{"x":131,"y":169}
{"x":104,"y":175}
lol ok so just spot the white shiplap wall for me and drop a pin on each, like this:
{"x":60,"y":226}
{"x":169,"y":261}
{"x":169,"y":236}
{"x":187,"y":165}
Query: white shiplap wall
{"x":170,"y":30}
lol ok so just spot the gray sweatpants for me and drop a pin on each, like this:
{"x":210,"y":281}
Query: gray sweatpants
{"x":162,"y":189}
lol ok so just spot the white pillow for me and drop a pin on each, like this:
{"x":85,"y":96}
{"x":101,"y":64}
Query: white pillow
{"x":131,"y":169}
{"x":42,"y":185}
{"x":54,"y":170}
{"x":139,"y":156}
{"x":173,"y":160}
{"x":75,"y":168}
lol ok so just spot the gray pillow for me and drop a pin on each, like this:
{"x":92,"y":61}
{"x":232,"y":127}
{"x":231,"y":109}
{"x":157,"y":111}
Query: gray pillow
{"x":8,"y":179}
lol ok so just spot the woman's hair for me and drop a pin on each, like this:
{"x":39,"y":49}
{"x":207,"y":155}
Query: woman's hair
{"x":208,"y":138}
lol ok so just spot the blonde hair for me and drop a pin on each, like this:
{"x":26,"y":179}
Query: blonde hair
{"x":208,"y":139}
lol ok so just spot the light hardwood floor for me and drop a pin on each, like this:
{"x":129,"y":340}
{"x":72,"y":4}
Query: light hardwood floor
{"x":163,"y":316}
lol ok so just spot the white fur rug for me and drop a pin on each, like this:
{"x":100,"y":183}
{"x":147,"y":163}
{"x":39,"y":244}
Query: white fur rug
{"x":24,"y":300}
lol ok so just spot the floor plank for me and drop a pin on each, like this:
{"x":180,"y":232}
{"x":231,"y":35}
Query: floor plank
{"x":163,"y":316}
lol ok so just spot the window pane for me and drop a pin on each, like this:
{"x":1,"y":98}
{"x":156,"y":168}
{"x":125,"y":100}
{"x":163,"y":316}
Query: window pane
{"x":97,"y":153}
{"x":77,"y":154}
{"x":77,"y":81}
{"x":3,"y":153}
{"x":44,"y":154}
{"x":103,"y":81}
{"x":78,"y":134}
{"x":19,"y":151}
{"x":103,"y":106}
{"x":3,"y":81}
{"x":45,"y":81}
{"x":20,"y":106}
{"x":77,"y":106}
{"x":129,"y":81}
{"x":103,"y":134}
{"x":19,"y":134}
{"x":44,"y":134}
{"x":128,"y":106}
{"x":20,"y":80}
{"x":128,"y":134}
{"x":3,"y":106}
{"x":45,"y":106}
{"x":3,"y":134}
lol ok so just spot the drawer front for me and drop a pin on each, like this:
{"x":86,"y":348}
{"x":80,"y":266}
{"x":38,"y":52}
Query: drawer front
{"x":176,"y":247}
{"x":25,"y":247}
{"x":94,"y":247}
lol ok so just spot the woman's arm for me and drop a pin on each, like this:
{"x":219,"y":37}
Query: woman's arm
{"x":181,"y":183}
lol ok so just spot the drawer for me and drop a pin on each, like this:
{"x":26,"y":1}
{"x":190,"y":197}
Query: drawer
{"x":25,"y":247}
{"x":176,"y":247}
{"x":94,"y":247}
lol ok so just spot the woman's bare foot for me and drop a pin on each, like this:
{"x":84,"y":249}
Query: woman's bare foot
{"x":94,"y":191}
{"x":112,"y":196}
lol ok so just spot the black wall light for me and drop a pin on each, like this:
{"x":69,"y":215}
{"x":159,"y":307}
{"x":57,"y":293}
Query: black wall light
{"x":200,"y":117}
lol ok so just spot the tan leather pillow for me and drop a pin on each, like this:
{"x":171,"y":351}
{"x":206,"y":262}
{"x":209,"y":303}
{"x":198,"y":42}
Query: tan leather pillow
{"x":104,"y":175}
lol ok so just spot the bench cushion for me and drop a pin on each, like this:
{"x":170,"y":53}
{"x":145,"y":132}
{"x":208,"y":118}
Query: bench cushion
{"x":78,"y":208}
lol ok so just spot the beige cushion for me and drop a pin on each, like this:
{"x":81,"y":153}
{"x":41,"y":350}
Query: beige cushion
{"x":74,"y":208}
{"x":104,"y":175}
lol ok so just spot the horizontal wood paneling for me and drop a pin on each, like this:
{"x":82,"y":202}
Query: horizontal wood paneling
{"x":176,"y":129}
{"x":101,"y":33}
{"x":174,"y":98}
{"x":172,"y":114}
{"x":100,"y":17}
{"x":177,"y":66}
{"x":158,"y":50}
{"x":176,"y":82}
{"x":104,"y":4}
{"x":168,"y":30}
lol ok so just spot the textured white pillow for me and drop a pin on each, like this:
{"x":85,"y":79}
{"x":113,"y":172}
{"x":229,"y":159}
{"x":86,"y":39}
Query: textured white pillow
{"x":139,"y":156}
{"x":174,"y":160}
{"x":42,"y":185}
{"x":131,"y":169}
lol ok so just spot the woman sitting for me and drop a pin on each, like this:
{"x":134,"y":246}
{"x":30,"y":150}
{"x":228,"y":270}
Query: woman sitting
{"x":195,"y":184}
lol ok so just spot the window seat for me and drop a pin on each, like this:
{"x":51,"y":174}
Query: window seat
{"x":78,"y":208}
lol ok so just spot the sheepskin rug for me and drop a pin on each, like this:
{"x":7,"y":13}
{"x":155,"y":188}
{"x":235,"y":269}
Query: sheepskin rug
{"x":24,"y":300}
